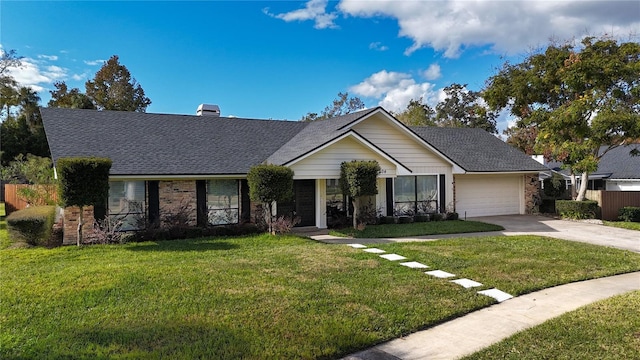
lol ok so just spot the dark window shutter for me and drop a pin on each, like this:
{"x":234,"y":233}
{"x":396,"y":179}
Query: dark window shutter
{"x":201,"y":203}
{"x":154,"y":201}
{"x":443,"y":194}
{"x":245,"y":201}
{"x":389,"y":187}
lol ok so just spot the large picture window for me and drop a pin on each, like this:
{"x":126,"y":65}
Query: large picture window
{"x":223,"y":201}
{"x":415,"y":194}
{"x":126,"y":204}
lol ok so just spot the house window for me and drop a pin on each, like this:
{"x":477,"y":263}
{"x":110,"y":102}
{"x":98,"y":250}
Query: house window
{"x":127,"y":204}
{"x":336,"y":209}
{"x":415,"y":194}
{"x":223,"y":201}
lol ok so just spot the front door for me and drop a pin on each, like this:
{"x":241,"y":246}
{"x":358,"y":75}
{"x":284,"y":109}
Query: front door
{"x":303,"y":204}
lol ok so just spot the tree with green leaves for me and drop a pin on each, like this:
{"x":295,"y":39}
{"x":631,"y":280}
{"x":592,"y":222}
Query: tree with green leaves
{"x":342,"y":105}
{"x":417,"y":113}
{"x":62,"y":97}
{"x":522,"y":137}
{"x":83,"y":182}
{"x":583,"y":100}
{"x":29,"y":169}
{"x":268,"y":184}
{"x":462,"y":107}
{"x":21,"y":131}
{"x":359,"y":179}
{"x":113,"y":88}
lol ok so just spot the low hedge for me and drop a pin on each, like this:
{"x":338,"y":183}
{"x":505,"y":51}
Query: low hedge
{"x":629,"y":214}
{"x":32,"y":225}
{"x":572,"y":209}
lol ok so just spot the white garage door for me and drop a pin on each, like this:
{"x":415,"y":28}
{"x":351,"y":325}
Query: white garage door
{"x":486,"y":195}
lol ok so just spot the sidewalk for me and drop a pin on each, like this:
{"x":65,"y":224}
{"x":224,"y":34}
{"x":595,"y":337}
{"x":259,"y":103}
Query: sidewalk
{"x":477,"y":330}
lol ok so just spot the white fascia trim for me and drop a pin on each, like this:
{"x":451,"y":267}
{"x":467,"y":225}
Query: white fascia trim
{"x":623,"y":180}
{"x":407,"y":131}
{"x":499,"y":173}
{"x":175,"y":177}
{"x":402,"y":170}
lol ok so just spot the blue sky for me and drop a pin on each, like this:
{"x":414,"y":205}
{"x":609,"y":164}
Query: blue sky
{"x":282,"y":59}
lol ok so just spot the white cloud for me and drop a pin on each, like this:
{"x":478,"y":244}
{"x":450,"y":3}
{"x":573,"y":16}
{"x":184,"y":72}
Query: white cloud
{"x":315,"y":10}
{"x":48,"y":57}
{"x":394,"y":90}
{"x":80,"y":77}
{"x":94,"y":62}
{"x":433,"y":72}
{"x":507,"y":26}
{"x":36,"y":74}
{"x":378,"y":46}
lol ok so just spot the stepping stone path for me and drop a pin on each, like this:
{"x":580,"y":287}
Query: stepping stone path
{"x":440,"y":274}
{"x":499,"y":295}
{"x":393,"y":257}
{"x":414,"y":265}
{"x":466,"y":283}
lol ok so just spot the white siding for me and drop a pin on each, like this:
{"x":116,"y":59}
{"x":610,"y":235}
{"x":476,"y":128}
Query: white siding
{"x":401,"y":146}
{"x":381,"y":197}
{"x":406,"y":150}
{"x":486,"y":195}
{"x":325,"y":164}
{"x":321,"y":203}
{"x":613,"y":185}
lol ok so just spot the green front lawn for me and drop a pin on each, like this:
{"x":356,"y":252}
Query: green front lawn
{"x":608,"y":329}
{"x":417,"y":229}
{"x":261,"y":297}
{"x":624,"y":225}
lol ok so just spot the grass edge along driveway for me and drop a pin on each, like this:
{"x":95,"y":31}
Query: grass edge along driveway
{"x":262,"y":297}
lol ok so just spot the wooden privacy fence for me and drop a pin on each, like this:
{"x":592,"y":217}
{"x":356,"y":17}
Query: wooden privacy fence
{"x":612,"y":201}
{"x":12,"y":200}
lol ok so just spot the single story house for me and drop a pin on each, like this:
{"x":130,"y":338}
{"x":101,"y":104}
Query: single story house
{"x":163,"y":162}
{"x":618,"y":170}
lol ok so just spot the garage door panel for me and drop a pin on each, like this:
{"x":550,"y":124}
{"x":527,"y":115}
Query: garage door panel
{"x":488,"y":195}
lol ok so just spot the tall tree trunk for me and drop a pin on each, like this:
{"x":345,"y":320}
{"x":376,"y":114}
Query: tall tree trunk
{"x":80,"y":223}
{"x":355,"y":212}
{"x":584,"y":183}
{"x":574,"y":191}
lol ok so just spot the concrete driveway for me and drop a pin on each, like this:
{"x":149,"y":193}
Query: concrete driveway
{"x":567,"y":230}
{"x":526,"y":225}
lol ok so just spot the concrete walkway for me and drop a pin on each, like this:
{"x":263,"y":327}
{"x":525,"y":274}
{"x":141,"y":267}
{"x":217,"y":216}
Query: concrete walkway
{"x":477,"y":330}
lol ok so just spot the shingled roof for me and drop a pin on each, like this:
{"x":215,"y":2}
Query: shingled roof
{"x":314,"y":135}
{"x":160,"y":144}
{"x":476,"y":150}
{"x":617,"y":163}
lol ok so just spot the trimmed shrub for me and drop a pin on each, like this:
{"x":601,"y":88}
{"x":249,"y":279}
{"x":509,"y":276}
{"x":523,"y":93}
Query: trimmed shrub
{"x":269,"y":183}
{"x":421,"y":218}
{"x":388,"y":220}
{"x":83,"y":181}
{"x":629,"y":214}
{"x":405,"y":219}
{"x":572,"y":209}
{"x":438,"y":217}
{"x":32,"y":225}
{"x":358,"y":179}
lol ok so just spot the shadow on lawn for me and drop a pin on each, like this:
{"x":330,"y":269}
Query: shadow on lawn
{"x":184,"y":245}
{"x":176,"y":340}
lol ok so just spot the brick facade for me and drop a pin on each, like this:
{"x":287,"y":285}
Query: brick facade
{"x":70,"y":226}
{"x":178,"y":196}
{"x":531,"y":194}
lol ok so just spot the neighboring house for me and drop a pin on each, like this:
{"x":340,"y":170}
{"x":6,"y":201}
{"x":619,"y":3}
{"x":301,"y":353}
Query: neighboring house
{"x":618,"y":170}
{"x":163,"y":162}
